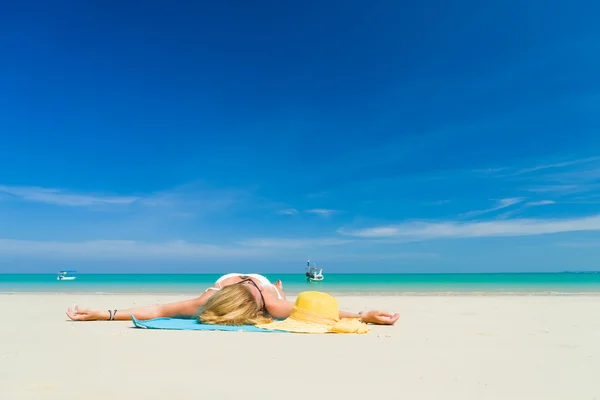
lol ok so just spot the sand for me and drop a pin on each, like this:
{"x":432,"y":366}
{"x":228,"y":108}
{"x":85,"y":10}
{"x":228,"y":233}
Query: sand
{"x":443,"y":347}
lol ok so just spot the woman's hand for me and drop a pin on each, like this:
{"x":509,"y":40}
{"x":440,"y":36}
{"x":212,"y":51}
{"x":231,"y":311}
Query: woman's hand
{"x":86,"y":315}
{"x":380,"y":317}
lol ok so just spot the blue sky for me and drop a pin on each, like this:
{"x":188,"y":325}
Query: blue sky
{"x":387,"y":137}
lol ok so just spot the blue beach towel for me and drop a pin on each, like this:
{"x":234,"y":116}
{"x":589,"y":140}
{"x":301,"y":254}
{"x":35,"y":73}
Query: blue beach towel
{"x":189,"y":324}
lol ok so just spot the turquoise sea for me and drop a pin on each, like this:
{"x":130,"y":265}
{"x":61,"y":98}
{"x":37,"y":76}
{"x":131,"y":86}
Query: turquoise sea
{"x":295,"y":283}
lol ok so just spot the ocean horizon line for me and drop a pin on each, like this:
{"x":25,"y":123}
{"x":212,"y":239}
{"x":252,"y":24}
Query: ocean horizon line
{"x":329,"y":273}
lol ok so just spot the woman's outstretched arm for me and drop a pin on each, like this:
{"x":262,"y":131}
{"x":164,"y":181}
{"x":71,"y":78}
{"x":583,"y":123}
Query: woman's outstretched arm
{"x":186,"y":308}
{"x":373,"y":317}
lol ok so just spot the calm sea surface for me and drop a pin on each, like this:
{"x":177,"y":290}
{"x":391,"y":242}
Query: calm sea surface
{"x":295,"y":283}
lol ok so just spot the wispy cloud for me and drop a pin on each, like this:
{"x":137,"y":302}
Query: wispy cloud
{"x":559,"y":178}
{"x":125,"y":249}
{"x":190,"y":200}
{"x":321,"y":211}
{"x":490,"y":170}
{"x":500,"y":204}
{"x":288,"y":211}
{"x":295,"y":243}
{"x":453,"y":229}
{"x":177,"y":250}
{"x":515,"y":171}
{"x":524,"y":206}
{"x":554,"y":189}
{"x":567,"y":184}
{"x":540,"y":203}
{"x":196,"y":196}
{"x":63,"y":198}
{"x":556,"y":165}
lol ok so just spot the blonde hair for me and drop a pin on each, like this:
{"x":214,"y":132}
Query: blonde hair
{"x":232,"y":305}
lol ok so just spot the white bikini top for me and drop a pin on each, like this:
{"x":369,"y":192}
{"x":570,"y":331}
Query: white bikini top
{"x":263,"y":280}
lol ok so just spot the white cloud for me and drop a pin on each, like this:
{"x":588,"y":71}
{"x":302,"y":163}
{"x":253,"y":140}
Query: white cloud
{"x":321,"y":211}
{"x":124,"y":249}
{"x":503,"y":203}
{"x":515,"y":227}
{"x":540,"y":203}
{"x":288,"y":211}
{"x":60,"y":197}
{"x":379,"y":231}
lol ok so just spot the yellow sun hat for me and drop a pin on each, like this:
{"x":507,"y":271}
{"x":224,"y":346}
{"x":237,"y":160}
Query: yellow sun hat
{"x":316,"y":312}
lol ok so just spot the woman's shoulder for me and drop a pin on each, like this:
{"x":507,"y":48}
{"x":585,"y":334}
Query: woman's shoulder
{"x":277,"y":307}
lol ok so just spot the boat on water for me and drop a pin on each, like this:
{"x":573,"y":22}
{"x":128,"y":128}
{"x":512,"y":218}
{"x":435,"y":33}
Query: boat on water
{"x":66,"y":275}
{"x":313,"y":274}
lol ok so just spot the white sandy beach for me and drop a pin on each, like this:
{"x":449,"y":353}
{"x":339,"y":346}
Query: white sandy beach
{"x":443,"y":347}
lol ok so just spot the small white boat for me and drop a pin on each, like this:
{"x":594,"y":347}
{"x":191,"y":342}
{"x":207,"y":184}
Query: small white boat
{"x":64,"y":275}
{"x":313,"y":274}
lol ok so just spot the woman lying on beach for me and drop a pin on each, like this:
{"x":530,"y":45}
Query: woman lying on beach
{"x":234,"y":299}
